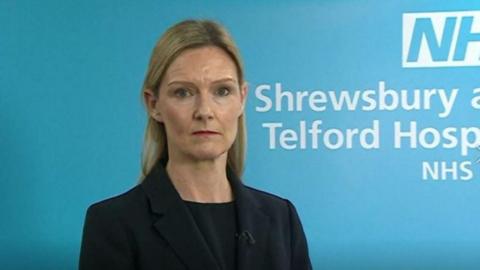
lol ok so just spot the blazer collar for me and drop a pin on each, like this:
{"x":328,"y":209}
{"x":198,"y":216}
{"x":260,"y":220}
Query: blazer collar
{"x":177,"y":226}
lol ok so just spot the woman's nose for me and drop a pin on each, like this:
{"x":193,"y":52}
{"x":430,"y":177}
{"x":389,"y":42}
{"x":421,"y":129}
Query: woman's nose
{"x":203,"y":110}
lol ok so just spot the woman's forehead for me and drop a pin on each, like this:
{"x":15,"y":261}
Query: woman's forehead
{"x":205,"y":63}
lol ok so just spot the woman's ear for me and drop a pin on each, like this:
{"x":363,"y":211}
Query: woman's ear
{"x":151,"y":101}
{"x":243,"y":94}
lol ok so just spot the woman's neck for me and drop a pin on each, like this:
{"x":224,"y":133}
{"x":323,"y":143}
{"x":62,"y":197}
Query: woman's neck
{"x":201,"y":181}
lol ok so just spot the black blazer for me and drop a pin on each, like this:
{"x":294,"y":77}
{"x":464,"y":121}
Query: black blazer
{"x":150,"y":227}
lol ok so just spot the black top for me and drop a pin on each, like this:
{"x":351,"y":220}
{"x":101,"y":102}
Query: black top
{"x":217,"y":222}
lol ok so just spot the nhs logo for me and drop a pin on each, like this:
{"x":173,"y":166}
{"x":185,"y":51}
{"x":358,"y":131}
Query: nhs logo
{"x":441,"y":39}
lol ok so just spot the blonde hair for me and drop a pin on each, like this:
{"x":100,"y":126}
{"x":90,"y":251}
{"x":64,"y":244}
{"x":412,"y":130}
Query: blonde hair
{"x":187,"y":35}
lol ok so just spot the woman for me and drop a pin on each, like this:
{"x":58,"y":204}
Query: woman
{"x":191,"y":211}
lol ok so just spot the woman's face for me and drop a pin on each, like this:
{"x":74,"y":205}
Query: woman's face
{"x":199,"y":103}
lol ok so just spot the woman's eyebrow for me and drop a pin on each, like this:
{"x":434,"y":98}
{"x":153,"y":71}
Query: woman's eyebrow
{"x":226,"y":79}
{"x":180,"y":82}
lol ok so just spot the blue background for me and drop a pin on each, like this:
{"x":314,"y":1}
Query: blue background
{"x":72,"y":126}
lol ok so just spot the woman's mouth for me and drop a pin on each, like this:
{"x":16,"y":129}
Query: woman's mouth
{"x":205,"y":133}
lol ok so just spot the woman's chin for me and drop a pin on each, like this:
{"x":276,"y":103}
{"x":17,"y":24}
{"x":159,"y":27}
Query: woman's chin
{"x":208,"y":155}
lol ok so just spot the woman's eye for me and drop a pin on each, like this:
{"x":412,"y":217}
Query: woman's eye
{"x":223,"y":91}
{"x":182,"y":92}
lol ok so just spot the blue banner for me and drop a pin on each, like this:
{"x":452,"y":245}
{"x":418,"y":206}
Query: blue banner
{"x":365,"y":114}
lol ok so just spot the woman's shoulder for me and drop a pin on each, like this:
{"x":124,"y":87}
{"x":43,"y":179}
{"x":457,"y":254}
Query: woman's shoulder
{"x":121,"y":204}
{"x":265,"y":196}
{"x":279,"y":209}
{"x":270,"y":200}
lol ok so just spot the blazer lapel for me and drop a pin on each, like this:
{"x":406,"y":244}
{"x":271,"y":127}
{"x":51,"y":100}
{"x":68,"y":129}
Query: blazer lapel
{"x":252,"y":226}
{"x":175,"y":223}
